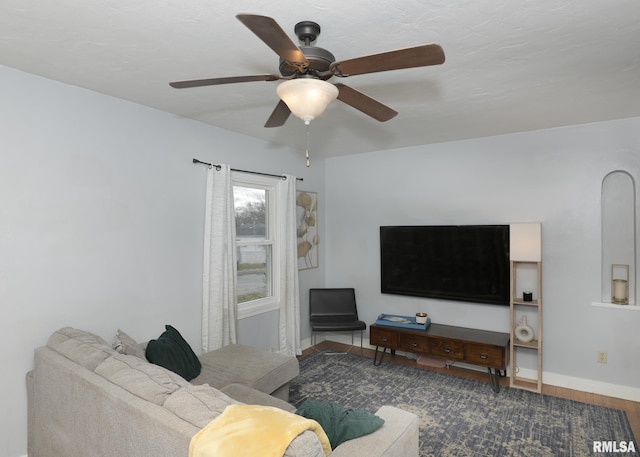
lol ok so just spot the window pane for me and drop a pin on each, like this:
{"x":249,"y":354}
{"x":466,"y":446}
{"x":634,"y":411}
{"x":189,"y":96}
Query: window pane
{"x":251,"y":214}
{"x":254,"y":272}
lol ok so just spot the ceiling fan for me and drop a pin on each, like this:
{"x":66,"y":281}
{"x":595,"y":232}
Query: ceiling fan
{"x":312,"y":65}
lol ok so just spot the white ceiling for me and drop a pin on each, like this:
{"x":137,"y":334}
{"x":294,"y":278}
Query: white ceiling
{"x":511,"y":66}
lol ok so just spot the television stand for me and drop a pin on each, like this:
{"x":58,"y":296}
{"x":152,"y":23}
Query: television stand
{"x":458,"y":344}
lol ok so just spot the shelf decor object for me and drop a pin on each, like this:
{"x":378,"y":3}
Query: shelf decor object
{"x":620,"y":284}
{"x":524,"y":333}
{"x":525,"y":255}
{"x":392,"y":320}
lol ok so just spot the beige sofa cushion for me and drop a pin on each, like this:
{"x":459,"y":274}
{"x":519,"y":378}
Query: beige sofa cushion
{"x":82,"y":347}
{"x":124,"y":344}
{"x":197,"y":405}
{"x":146,"y":380}
{"x":256,"y":368}
{"x":251,"y":396}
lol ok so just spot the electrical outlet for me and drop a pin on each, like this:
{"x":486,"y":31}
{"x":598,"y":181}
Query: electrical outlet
{"x":602,"y":356}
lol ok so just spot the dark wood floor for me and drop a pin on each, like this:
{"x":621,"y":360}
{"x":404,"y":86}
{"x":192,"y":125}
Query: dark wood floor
{"x":632,"y":408}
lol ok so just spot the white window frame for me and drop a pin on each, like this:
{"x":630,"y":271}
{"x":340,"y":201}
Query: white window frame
{"x":269,"y":184}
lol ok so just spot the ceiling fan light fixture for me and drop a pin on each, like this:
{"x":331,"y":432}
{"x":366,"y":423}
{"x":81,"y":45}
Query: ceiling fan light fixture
{"x":307,"y":98}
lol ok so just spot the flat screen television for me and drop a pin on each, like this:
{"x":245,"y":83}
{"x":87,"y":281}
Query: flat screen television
{"x":450,"y":262}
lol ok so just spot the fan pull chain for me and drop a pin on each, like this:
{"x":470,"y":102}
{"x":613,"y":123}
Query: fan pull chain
{"x":306,"y":154}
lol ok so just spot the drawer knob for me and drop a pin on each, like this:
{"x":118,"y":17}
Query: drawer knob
{"x":484,"y":356}
{"x":414,"y":344}
{"x":384,"y":338}
{"x":447,"y":350}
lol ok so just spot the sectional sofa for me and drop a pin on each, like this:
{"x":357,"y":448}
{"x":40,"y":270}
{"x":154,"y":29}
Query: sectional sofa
{"x":87,"y":399}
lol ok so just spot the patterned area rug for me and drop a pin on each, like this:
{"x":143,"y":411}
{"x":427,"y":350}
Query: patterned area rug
{"x":462,"y":417}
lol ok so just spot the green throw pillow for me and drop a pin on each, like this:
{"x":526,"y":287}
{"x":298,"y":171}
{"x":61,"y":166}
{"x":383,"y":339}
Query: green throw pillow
{"x":340,"y":423}
{"x":172,"y":352}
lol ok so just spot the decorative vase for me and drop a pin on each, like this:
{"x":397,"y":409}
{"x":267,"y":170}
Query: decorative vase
{"x":523,"y":332}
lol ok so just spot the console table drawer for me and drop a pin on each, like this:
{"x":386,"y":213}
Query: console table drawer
{"x":415,"y":343}
{"x":488,"y":356}
{"x":383,"y":337}
{"x":449,"y":349}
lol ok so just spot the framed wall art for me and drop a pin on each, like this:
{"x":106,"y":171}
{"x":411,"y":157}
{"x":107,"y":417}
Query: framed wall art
{"x":307,"y":230}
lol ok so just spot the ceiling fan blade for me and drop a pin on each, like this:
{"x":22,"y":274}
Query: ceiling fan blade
{"x":364,"y":103}
{"x":419,"y":56}
{"x":279,"y":115}
{"x":268,"y":30}
{"x":216,"y":81}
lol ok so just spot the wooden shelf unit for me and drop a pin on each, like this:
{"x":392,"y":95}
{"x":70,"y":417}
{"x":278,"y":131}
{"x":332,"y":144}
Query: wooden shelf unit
{"x":518,"y":307}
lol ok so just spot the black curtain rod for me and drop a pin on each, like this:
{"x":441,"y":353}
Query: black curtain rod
{"x":211,"y":165}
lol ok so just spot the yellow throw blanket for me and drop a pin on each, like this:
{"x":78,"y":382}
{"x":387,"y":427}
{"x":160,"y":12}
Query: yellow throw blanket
{"x":252,"y":430}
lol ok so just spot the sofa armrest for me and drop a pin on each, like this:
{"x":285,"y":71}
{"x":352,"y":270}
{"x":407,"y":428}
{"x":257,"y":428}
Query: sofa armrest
{"x":398,"y":437}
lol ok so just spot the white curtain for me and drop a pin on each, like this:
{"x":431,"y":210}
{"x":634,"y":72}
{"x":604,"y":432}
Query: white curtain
{"x":290,"y":303}
{"x":219,"y":270}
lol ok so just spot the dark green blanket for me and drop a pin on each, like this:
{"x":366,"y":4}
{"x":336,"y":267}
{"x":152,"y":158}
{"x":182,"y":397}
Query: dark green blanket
{"x":340,"y":423}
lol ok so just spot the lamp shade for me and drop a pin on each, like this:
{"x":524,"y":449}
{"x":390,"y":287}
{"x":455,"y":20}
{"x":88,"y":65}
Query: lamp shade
{"x":525,"y":242}
{"x":307,"y":98}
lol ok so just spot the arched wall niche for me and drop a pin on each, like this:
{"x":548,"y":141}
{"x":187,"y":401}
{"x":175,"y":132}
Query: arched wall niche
{"x":618,"y":214}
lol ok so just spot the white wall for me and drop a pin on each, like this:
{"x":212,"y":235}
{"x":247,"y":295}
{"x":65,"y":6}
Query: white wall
{"x":551,"y":176}
{"x":101,"y":217}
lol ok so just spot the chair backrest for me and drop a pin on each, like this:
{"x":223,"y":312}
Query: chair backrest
{"x":332,"y":305}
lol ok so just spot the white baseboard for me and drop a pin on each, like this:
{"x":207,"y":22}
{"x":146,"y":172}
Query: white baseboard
{"x":591,"y":386}
{"x":552,"y":379}
{"x":306,"y":343}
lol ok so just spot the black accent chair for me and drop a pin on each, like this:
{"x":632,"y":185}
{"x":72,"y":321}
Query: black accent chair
{"x":334,"y":310}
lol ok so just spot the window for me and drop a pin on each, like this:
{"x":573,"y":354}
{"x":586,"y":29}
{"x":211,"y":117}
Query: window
{"x":256,"y":244}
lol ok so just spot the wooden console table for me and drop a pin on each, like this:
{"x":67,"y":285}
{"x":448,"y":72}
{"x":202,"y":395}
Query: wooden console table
{"x":476,"y":347}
